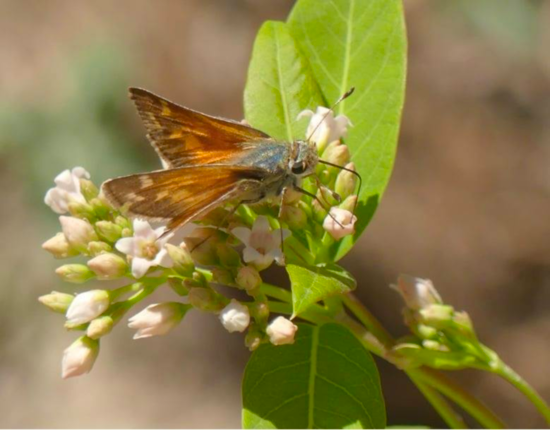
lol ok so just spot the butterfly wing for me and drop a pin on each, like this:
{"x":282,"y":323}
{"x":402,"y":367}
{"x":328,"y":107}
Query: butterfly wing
{"x":183,"y":194}
{"x":182,"y":136}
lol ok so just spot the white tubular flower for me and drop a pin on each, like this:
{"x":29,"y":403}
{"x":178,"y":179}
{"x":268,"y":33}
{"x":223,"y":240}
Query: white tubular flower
{"x":281,"y":331}
{"x":235,"y":317}
{"x":262,"y":245}
{"x":67,"y":189}
{"x":331,"y":129}
{"x":157,"y":319}
{"x":146,"y":248}
{"x":87,"y":306}
{"x":417,"y":293}
{"x":77,"y":232}
{"x":79,"y":358}
{"x":340,"y":224}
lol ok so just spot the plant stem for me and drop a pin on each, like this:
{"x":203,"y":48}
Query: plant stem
{"x":429,"y":377}
{"x":443,"y":408}
{"x":456,"y":393}
{"x":517,"y":381}
{"x":369,"y":321}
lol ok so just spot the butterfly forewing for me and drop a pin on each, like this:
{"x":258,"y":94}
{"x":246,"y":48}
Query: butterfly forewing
{"x":183,"y":136}
{"x":183,"y":194}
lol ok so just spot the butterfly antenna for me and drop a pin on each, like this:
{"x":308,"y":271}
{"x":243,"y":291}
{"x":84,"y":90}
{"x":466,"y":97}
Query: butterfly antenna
{"x":342,"y":98}
{"x":347,"y":170}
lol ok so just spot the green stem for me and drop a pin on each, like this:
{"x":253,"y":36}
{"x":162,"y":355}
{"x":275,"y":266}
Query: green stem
{"x":429,"y":377}
{"x":367,"y":319}
{"x":276,"y":292}
{"x":517,"y":381}
{"x":443,"y":408}
{"x":457,"y":394}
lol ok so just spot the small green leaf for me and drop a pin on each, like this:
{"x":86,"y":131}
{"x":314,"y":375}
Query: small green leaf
{"x":361,"y":44}
{"x":326,"y":379}
{"x":313,"y":283}
{"x":280,"y":84}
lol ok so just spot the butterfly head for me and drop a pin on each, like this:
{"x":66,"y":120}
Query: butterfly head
{"x":305,"y":159}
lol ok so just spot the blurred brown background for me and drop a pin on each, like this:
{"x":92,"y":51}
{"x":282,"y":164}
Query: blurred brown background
{"x":468,"y":205}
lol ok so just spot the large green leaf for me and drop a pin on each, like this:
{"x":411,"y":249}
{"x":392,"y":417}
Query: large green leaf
{"x":313,"y":283}
{"x":279,"y":85}
{"x":326,"y":379}
{"x":361,"y":44}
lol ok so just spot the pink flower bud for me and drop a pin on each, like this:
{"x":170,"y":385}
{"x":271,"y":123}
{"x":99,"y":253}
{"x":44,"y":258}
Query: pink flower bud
{"x":281,"y":331}
{"x":248,"y":278}
{"x":79,"y":358}
{"x":77,"y":232}
{"x":59,"y":247}
{"x":235,"y":317}
{"x":416,"y":292}
{"x":157,"y":319}
{"x":340,"y":224}
{"x":87,"y":306}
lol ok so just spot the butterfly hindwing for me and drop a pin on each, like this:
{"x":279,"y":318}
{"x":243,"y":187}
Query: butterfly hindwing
{"x":183,"y":194}
{"x":183,"y":136}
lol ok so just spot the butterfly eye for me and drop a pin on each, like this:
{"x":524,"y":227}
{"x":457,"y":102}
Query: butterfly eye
{"x":299,"y":168}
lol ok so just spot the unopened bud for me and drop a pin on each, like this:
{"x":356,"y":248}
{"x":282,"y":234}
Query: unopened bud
{"x":222,"y":276}
{"x":74,"y":273}
{"x":248,"y":278}
{"x":235,"y":317}
{"x":295,"y":217}
{"x":337,"y":154}
{"x":88,"y":306}
{"x":178,"y":286}
{"x":291,"y":196}
{"x":203,"y":250}
{"x":434,"y":345}
{"x":180,"y":255}
{"x":97,"y":247}
{"x":438,"y":316}
{"x":346,"y":181}
{"x":349,"y":203}
{"x":79,"y":358}
{"x":253,"y":339}
{"x":101,"y":206}
{"x":319,"y":211}
{"x":261,"y":311}
{"x":123,"y":222}
{"x":340,"y":223}
{"x":281,"y":331}
{"x":108,"y":266}
{"x":100,"y":327}
{"x":88,"y":189}
{"x":326,"y":197}
{"x":417,"y":293}
{"x":81,"y":210}
{"x":158,"y":319}
{"x":127,"y":232}
{"x":77,"y":232}
{"x":228,"y":256}
{"x":426,"y":332}
{"x":59,"y":247}
{"x":57,"y":302}
{"x":205,"y":299}
{"x":108,"y":231}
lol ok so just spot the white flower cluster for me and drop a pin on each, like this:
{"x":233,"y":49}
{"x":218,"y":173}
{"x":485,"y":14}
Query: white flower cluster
{"x":116,"y":247}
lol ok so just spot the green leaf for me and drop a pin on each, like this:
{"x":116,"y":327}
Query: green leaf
{"x":326,"y":379}
{"x":312,"y":283}
{"x":361,"y":44}
{"x":280,"y":84}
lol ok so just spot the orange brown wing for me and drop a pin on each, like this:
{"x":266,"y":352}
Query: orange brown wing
{"x":184,"y":194}
{"x":183,"y":136}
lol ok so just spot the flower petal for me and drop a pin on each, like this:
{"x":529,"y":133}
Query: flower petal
{"x":242,"y":233}
{"x":126,"y":245}
{"x":140,"y":266}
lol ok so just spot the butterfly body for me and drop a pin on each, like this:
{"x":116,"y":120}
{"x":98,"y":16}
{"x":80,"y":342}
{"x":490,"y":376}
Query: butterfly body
{"x":209,"y":161}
